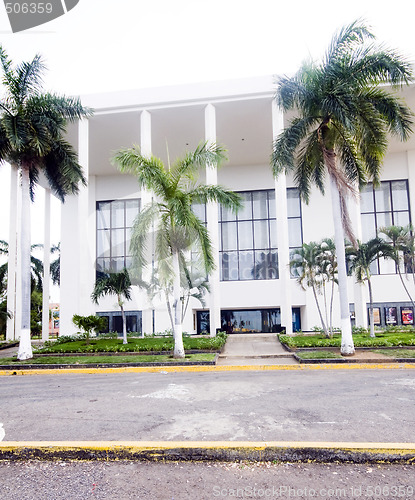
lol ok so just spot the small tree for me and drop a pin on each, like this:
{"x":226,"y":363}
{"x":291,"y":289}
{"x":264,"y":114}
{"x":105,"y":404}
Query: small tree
{"x":360,"y":260}
{"x":306,"y":265}
{"x":118,"y":284}
{"x":88,"y":324}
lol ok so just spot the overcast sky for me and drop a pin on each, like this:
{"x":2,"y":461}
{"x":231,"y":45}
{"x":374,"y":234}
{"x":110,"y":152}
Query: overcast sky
{"x":109,"y":45}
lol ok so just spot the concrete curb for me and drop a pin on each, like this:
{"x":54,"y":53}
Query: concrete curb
{"x":323,"y":452}
{"x":204,"y":368}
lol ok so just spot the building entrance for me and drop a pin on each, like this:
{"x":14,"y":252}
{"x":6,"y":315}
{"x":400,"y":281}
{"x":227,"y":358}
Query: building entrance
{"x":247,"y":320}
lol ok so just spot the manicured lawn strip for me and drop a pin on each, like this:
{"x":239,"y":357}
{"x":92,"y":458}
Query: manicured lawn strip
{"x":134,"y":345}
{"x":360,"y":340}
{"x":81,"y":360}
{"x":397,"y":353}
{"x":318,"y":355}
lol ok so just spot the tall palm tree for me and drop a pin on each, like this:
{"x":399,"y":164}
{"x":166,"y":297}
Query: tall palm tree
{"x":402,"y":242}
{"x":360,"y":260}
{"x":177,"y":227}
{"x":118,"y":284}
{"x":32,"y":128}
{"x":305,"y":264}
{"x":344,"y":116}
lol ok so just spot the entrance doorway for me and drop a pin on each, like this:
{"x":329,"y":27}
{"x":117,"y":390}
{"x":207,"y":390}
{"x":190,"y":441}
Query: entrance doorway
{"x":247,"y":320}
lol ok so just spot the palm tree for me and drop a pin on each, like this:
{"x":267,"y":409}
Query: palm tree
{"x":328,"y":265}
{"x":118,"y":284}
{"x":360,"y":260}
{"x":402,"y":243}
{"x":305,"y":264}
{"x":344,"y":115}
{"x":32,"y":128}
{"x":177,"y":227}
{"x":55,"y":266}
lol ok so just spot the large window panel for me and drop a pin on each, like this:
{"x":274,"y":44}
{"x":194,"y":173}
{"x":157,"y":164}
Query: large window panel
{"x":114,"y":222}
{"x":248,"y":240}
{"x":383,"y":206}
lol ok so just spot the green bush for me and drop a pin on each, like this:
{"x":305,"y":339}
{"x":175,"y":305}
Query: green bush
{"x":146,"y":344}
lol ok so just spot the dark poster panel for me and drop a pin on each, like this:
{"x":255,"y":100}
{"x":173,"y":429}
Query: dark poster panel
{"x":391,"y":316}
{"x":407,"y":315}
{"x":376,"y":315}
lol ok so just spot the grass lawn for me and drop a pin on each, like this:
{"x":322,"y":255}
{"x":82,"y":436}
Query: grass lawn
{"x":397,"y":353}
{"x":382,"y":339}
{"x":81,"y":360}
{"x":146,"y":344}
{"x":318,"y":355}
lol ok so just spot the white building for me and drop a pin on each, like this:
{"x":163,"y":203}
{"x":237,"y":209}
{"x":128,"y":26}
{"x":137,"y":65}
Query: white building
{"x":251,"y":285}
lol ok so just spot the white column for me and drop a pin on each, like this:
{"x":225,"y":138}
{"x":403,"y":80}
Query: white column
{"x":46,"y":267}
{"x":12,"y":297}
{"x":86,"y":262}
{"x":212,"y":224}
{"x":146,"y":197}
{"x":77,"y":268}
{"x":284,"y":281}
{"x":358,"y":288}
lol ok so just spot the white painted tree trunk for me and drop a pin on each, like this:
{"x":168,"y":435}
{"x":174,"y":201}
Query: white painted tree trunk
{"x":25,"y":347}
{"x":371,"y":313}
{"x":178,"y":326}
{"x":347,"y":346}
{"x":124,"y":322}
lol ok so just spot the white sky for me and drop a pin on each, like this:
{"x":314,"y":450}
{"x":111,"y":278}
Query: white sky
{"x":104,"y":45}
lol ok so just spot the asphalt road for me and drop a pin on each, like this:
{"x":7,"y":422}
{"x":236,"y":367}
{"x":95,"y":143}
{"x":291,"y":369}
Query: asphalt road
{"x":203,"y":481}
{"x":375,"y":405}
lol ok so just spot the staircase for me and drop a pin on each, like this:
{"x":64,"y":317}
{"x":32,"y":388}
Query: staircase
{"x":254,"y":349}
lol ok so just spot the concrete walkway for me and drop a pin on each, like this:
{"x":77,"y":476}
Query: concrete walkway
{"x":254,"y":349}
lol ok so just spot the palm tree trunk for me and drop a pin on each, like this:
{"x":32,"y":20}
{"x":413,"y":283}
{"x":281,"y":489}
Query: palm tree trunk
{"x":347,"y":346}
{"x":178,"y":326}
{"x":323,"y":324}
{"x":331,"y":308}
{"x":166,"y":295}
{"x":25,"y":347}
{"x":371,"y":315}
{"x":124,"y":322}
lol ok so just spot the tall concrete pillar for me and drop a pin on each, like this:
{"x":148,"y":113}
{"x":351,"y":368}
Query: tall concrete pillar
{"x":146,"y":198}
{"x":13,"y":299}
{"x":284,"y":282}
{"x":46,"y":267}
{"x":212,"y":225}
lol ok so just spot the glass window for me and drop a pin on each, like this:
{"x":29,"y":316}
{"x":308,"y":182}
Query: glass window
{"x":260,"y":204}
{"x":293,"y":203}
{"x":132,"y":207}
{"x":114,"y":222}
{"x":383,"y":206}
{"x":246,"y":265}
{"x":400,"y":195}
{"x":366,"y":199}
{"x":245,"y":212}
{"x":245,"y":236}
{"x":382,"y":197}
{"x":261,"y":234}
{"x":255,"y":228}
{"x":229,"y":237}
{"x":104,"y":215}
{"x":294,"y":233}
{"x":117,"y":214}
{"x":229,"y":266}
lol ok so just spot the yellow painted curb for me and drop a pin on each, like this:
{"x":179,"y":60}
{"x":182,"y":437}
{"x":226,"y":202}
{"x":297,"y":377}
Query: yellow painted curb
{"x":209,"y":450}
{"x":207,"y":368}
